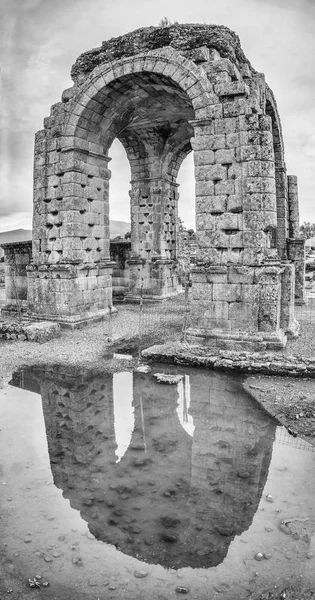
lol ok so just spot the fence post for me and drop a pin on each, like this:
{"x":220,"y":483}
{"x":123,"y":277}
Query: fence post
{"x":110,"y":324}
{"x":186,"y":308}
{"x":19,"y":311}
{"x":140,"y":320}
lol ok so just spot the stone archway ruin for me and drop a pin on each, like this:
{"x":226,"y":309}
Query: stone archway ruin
{"x":164,"y":92}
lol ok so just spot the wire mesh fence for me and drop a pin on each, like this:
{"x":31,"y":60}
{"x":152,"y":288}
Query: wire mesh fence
{"x":169,"y":319}
{"x":148,"y":321}
{"x":305,"y":313}
{"x":284,"y":438}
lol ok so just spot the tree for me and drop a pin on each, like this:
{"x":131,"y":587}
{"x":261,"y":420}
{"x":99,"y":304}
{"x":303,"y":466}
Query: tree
{"x":307,"y":229}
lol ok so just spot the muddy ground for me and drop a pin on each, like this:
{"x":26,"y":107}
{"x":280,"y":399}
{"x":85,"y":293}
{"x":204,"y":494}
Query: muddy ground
{"x":291,"y":401}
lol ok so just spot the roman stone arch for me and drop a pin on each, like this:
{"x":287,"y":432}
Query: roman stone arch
{"x":163,"y":92}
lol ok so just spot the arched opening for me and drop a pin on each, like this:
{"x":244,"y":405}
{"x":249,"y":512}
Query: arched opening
{"x":150,"y":115}
{"x":119,"y":200}
{"x":282,"y":232}
{"x":119,"y":219}
{"x":187,"y":203}
{"x":187,"y":217}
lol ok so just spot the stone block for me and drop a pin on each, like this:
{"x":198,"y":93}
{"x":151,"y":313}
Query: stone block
{"x":228,"y":221}
{"x":266,"y":138}
{"x":250,"y":138}
{"x":224,"y":156}
{"x":211,"y":110}
{"x":248,"y":153}
{"x":217,"y":310}
{"x":244,"y":316}
{"x":205,"y":222}
{"x":198,"y":276}
{"x":211,"y":204}
{"x":211,"y":172}
{"x":267,"y":168}
{"x":267,"y":153}
{"x":202,"y":142}
{"x":42,"y":332}
{"x":232,"y":88}
{"x":247,"y":122}
{"x":255,"y":220}
{"x":254,"y":239}
{"x":216,"y":142}
{"x":268,"y":185}
{"x":267,"y":275}
{"x":232,"y":140}
{"x":240,"y":274}
{"x":202,"y":291}
{"x":234,"y":203}
{"x":235,"y":171}
{"x":253,"y":168}
{"x":231,"y":292}
{"x":265,"y":123}
{"x":225,"y":126}
{"x":222,"y":64}
{"x":204,"y":188}
{"x":239,"y":106}
{"x":259,"y":201}
{"x":269,"y":308}
{"x":222,"y":188}
{"x":253,"y":185}
{"x":204,"y":157}
{"x":74,"y":230}
{"x":250,"y":293}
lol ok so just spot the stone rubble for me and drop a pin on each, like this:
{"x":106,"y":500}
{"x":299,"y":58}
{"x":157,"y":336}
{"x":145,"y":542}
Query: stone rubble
{"x":40,"y":332}
{"x":245,"y":362}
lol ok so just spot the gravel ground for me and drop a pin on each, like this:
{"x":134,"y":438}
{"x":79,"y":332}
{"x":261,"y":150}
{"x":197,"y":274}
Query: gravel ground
{"x":92,"y":346}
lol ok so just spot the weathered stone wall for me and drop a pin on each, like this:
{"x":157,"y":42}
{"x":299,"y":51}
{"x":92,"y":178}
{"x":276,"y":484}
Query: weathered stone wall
{"x":162,"y":93}
{"x":17,"y":256}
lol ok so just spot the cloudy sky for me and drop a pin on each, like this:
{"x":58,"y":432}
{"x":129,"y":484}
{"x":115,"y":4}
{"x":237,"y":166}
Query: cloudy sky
{"x":41,"y":39}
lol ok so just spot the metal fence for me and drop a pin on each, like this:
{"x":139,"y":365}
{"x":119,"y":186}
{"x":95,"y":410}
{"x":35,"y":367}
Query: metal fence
{"x":169,"y":319}
{"x":150,"y":321}
{"x":284,"y":438}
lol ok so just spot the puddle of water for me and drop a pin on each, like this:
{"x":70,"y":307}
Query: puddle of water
{"x":187,"y":475}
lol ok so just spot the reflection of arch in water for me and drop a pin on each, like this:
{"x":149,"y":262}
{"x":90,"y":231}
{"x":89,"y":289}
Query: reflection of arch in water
{"x":172,"y":499}
{"x":186,"y":420}
{"x":123,"y":411}
{"x":232,"y":450}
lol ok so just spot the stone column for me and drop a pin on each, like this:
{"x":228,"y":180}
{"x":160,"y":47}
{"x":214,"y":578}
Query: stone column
{"x":236,"y":216}
{"x":287,"y":317}
{"x":70,"y":277}
{"x":293,"y":202}
{"x":296,"y":253}
{"x":154,"y":223}
{"x":282,"y":211}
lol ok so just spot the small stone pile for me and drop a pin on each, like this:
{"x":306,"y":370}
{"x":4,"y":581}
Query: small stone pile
{"x":28,"y":331}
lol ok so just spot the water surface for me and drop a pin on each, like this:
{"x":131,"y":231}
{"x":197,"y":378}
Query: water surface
{"x":193,"y":475}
